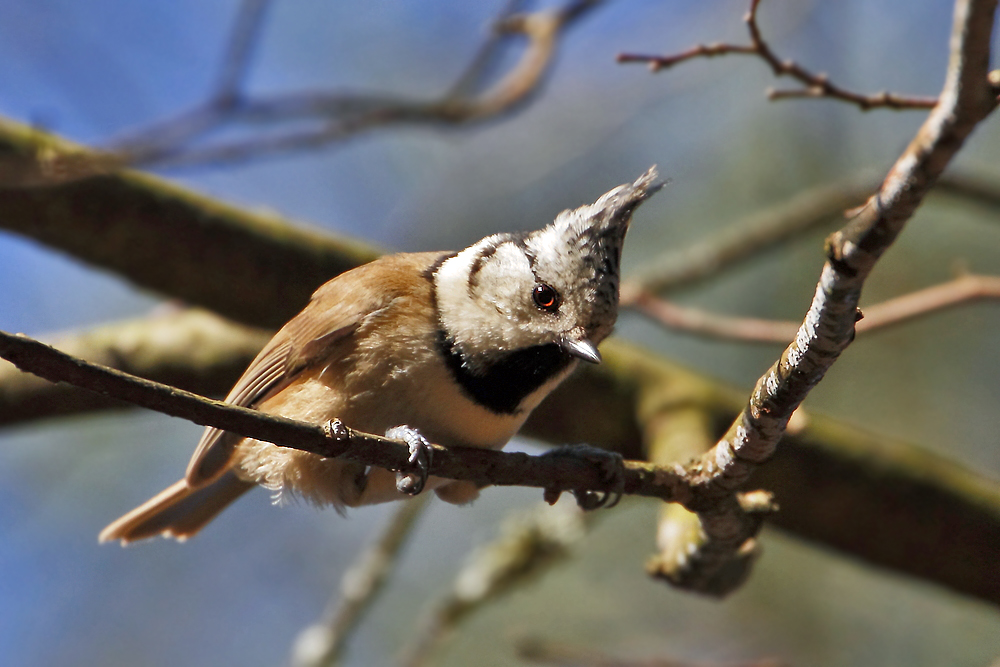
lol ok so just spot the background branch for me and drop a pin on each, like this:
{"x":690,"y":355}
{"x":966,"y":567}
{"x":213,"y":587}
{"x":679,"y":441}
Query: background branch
{"x":815,"y":85}
{"x":964,"y":289}
{"x":334,"y":117}
{"x":322,"y":644}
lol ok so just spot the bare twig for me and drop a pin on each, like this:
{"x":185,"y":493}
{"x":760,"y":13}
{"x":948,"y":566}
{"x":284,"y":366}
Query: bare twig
{"x":322,"y":644}
{"x":338,"y":116}
{"x":239,"y":50}
{"x":829,"y":325}
{"x":815,"y":85}
{"x":961,"y":290}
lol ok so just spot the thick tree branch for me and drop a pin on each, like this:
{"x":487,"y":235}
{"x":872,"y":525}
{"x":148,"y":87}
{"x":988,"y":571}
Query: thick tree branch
{"x":252,"y":267}
{"x":828,"y":328}
{"x":186,"y":348}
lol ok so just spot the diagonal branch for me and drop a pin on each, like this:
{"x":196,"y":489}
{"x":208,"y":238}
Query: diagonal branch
{"x":321,"y":644}
{"x":828,"y":327}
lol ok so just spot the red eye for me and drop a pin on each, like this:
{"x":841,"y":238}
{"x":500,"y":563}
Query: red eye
{"x":545,"y":298}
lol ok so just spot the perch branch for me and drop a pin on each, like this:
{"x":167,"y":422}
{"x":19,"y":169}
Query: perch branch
{"x":814,"y":85}
{"x":484,"y":467}
{"x":947,"y":532}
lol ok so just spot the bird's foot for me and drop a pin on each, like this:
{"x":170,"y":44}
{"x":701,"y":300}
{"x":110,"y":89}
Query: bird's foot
{"x":612,"y":467}
{"x":421,"y":454}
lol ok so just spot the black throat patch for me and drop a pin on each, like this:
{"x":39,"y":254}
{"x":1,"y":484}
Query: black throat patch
{"x":507,"y":379}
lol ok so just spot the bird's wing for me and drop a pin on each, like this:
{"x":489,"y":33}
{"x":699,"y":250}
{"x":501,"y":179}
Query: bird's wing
{"x":335,"y":311}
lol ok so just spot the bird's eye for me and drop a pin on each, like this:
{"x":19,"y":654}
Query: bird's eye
{"x":545,"y":297}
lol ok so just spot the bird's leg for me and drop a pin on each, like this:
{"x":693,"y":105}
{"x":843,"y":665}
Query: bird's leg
{"x":612,"y":468}
{"x":421,"y":453}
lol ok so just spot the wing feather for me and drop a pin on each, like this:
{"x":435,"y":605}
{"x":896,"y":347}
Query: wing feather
{"x":335,"y":311}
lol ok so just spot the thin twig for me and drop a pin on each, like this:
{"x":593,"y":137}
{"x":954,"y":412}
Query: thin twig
{"x":239,"y":51}
{"x":815,"y":85}
{"x":564,"y":655}
{"x":963,"y":289}
{"x":322,"y":644}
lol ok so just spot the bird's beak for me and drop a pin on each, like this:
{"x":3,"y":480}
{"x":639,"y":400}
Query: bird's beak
{"x":581,"y":348}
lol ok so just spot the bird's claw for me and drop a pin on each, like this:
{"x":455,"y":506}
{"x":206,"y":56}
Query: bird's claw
{"x":612,"y":467}
{"x":421,"y":454}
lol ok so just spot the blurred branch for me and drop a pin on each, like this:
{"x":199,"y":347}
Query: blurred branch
{"x":960,"y":290}
{"x":251,"y":266}
{"x":322,"y":644}
{"x":334,"y":117}
{"x":815,"y":85}
{"x":565,"y":655}
{"x":190,"y":349}
{"x":829,"y":325}
{"x":530,"y":543}
{"x":239,"y":50}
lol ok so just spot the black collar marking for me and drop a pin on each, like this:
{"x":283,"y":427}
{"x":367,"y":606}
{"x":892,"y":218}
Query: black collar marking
{"x":509,"y":378}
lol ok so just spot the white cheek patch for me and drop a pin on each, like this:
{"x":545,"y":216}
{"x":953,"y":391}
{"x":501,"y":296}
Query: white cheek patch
{"x":504,"y":278}
{"x":489,"y":313}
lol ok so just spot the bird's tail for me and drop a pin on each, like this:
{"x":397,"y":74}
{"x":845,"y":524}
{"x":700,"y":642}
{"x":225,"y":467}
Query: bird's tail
{"x":179,"y":511}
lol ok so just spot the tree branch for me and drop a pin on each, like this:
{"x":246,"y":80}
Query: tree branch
{"x":250,"y":266}
{"x":815,"y":85}
{"x":530,"y":543}
{"x":186,"y":348}
{"x":484,"y":467}
{"x":902,"y":507}
{"x":828,"y":327}
{"x":321,"y":644}
{"x":748,"y":237}
{"x":964,"y":289}
{"x":334,"y":117}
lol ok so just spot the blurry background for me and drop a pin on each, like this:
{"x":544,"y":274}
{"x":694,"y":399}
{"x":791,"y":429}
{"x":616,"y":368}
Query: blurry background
{"x":240,"y":592}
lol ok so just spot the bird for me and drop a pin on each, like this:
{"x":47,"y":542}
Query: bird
{"x":452,"y":348}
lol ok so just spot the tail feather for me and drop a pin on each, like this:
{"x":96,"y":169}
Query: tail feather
{"x":179,"y":511}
